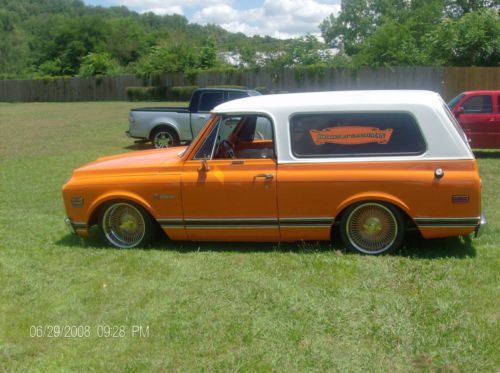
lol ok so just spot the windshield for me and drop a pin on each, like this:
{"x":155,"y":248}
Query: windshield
{"x":454,"y":101}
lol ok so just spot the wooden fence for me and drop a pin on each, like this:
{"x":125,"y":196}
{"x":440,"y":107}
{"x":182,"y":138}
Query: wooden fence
{"x":447,"y":81}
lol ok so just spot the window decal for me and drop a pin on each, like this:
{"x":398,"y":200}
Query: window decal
{"x":351,"y":135}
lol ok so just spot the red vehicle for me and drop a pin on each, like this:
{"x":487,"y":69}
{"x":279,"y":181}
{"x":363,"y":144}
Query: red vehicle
{"x":478,"y":112}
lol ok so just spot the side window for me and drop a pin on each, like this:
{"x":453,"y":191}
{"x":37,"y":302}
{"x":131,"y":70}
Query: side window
{"x":263,"y":129}
{"x":236,"y":95}
{"x":355,"y":134}
{"x":477,"y":105}
{"x":209,"y":100}
{"x":221,"y":131}
{"x":243,"y":137}
{"x":206,"y":150}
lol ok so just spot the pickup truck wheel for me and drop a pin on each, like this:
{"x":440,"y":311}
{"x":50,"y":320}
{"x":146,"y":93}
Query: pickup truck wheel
{"x":125,"y":225}
{"x":164,"y":138}
{"x":372,"y":228}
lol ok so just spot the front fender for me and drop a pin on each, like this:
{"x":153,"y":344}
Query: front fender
{"x":117,"y":195}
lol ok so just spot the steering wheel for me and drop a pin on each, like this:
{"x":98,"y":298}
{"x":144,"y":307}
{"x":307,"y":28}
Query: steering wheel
{"x":259,"y":135}
{"x":227,"y":149}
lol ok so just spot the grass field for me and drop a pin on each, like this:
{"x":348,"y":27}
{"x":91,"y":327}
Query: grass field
{"x":434,"y":306}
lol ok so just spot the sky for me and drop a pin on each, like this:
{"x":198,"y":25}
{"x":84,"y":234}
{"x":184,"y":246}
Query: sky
{"x":276,"y":18}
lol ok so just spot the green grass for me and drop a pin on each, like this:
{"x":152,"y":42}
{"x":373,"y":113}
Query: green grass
{"x":308,"y":307}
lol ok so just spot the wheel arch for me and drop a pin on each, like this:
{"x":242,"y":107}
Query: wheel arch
{"x":372,"y":197}
{"x":117,"y":196}
{"x":166,"y":125}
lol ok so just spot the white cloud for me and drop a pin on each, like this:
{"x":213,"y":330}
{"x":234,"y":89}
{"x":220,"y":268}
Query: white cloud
{"x":219,"y":14}
{"x":277,"y":18}
{"x":160,"y":4}
{"x":175,"y":9}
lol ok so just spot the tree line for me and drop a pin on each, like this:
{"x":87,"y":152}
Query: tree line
{"x":40,"y":38}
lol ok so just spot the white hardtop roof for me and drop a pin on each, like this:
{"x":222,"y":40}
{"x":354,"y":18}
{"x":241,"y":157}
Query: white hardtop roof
{"x":333,"y":100}
{"x":442,"y":139}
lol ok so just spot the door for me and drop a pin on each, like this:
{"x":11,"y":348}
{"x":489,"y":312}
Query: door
{"x":497,"y":121}
{"x":229,"y":195}
{"x":478,"y":121}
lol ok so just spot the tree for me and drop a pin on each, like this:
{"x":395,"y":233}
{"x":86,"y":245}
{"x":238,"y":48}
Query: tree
{"x":347,"y":31}
{"x":360,"y":19}
{"x":13,"y":47}
{"x":473,"y":40}
{"x":65,"y":42}
{"x":208,"y":55}
{"x":178,"y":58}
{"x":458,"y":8}
{"x":393,"y":44}
{"x":95,"y":64}
{"x":417,"y":32}
{"x":127,"y":40}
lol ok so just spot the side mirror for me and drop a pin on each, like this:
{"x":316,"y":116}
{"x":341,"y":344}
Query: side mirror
{"x":204,"y":166}
{"x":460,"y":111}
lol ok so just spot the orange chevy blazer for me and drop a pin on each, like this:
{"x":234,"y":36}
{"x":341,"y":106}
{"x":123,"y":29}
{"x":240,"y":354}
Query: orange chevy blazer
{"x":366,"y":165}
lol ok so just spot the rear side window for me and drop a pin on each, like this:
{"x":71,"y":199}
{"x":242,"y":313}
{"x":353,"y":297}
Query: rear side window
{"x":355,"y":134}
{"x":209,"y":100}
{"x":236,"y":95}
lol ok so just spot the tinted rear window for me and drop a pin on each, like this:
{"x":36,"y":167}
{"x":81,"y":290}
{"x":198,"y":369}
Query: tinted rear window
{"x":236,"y":95}
{"x":209,"y":100}
{"x":355,"y":134}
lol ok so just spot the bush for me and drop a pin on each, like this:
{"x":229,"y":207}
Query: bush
{"x":181,"y":93}
{"x":146,"y":93}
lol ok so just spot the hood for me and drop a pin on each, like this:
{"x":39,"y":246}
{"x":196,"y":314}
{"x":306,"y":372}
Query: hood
{"x":139,"y":162}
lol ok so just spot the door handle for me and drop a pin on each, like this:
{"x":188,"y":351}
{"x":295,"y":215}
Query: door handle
{"x":492,"y":119}
{"x":266,"y":176}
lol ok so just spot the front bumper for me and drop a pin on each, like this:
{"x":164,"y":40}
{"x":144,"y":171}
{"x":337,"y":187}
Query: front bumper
{"x":69,"y":226}
{"x":480,"y":227}
{"x":80,"y":229}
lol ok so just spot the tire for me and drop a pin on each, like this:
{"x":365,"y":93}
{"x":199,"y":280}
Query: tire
{"x":164,"y":137}
{"x":125,"y":225}
{"x":372,"y":228}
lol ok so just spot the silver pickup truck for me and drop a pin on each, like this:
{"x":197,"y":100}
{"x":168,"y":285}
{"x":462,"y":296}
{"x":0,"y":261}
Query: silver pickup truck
{"x":169,"y":126}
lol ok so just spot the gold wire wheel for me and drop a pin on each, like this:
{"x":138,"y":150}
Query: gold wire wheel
{"x":123,"y":225}
{"x":372,"y":228}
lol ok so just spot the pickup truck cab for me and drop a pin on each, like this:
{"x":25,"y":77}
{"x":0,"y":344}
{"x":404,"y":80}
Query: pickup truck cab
{"x":166,"y":127}
{"x":364,"y":165}
{"x":478,"y":112}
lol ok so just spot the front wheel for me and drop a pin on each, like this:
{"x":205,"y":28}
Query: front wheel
{"x":125,"y":225}
{"x":372,"y":228}
{"x":164,"y":138}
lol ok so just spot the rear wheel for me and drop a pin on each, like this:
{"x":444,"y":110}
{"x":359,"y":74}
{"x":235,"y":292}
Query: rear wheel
{"x":372,"y":228}
{"x":164,"y":137}
{"x":125,"y":225}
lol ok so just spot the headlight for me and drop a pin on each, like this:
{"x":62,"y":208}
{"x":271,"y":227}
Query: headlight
{"x":131,"y":118}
